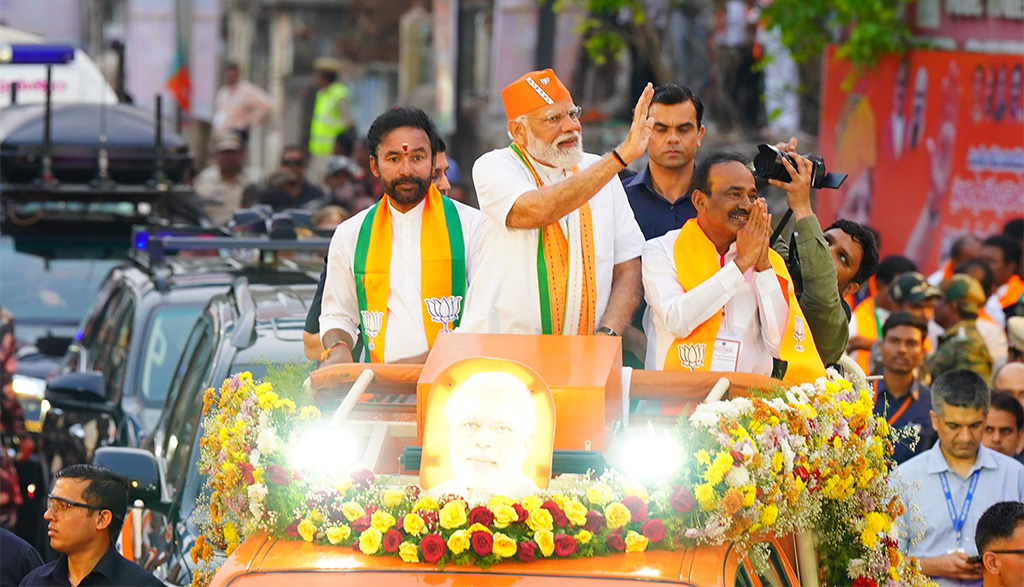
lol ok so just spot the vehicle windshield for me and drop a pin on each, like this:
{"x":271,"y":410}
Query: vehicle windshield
{"x":168,"y":332}
{"x":39,"y":287}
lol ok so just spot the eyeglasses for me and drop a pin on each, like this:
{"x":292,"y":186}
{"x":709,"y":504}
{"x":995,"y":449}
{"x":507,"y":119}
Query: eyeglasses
{"x":556,"y":119}
{"x":59,"y":505}
{"x":291,"y":162}
{"x":1016,"y":551}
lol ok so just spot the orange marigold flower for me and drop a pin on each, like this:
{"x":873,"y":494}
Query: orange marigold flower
{"x":733,"y":501}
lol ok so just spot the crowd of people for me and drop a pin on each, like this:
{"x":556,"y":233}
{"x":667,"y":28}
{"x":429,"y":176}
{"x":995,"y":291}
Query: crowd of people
{"x":678,"y":261}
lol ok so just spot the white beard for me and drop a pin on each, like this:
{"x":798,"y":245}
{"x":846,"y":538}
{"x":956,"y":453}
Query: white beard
{"x":553,"y":155}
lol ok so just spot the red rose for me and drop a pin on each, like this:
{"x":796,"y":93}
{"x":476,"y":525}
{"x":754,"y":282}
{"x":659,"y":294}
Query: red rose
{"x":595,"y":522}
{"x":278,"y":475}
{"x":653,"y":529}
{"x":363,"y":479}
{"x":637,"y":507}
{"x":736,"y":455}
{"x":564,"y":544}
{"x":360,"y":524}
{"x":802,"y":473}
{"x":480,"y":515}
{"x":292,"y":530}
{"x":297,"y":475}
{"x":864,"y":582}
{"x":433,"y":548}
{"x":559,"y":517}
{"x":392,"y":539}
{"x":482,"y":542}
{"x":524,"y":550}
{"x":521,"y":512}
{"x":412,"y":492}
{"x":682,"y":500}
{"x":400,"y":524}
{"x":615,"y":542}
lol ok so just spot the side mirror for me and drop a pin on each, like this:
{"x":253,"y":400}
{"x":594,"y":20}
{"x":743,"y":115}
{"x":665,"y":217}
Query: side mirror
{"x":141,"y":470}
{"x":82,"y":390}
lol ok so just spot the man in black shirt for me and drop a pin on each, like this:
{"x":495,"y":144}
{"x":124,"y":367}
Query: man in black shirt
{"x":19,"y":558}
{"x":289,"y":187}
{"x":85,"y":511}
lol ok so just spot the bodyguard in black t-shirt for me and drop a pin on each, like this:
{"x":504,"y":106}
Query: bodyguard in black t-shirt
{"x":19,"y":558}
{"x":85,"y":511}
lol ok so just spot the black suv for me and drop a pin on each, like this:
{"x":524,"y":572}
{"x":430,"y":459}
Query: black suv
{"x":111,"y":386}
{"x":249,"y":328}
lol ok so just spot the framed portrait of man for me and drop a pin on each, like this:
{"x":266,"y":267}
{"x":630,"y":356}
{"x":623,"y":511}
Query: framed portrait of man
{"x":489,"y":430}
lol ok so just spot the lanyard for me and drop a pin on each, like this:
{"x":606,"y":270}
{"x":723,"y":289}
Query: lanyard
{"x":958,"y":521}
{"x":906,"y":403}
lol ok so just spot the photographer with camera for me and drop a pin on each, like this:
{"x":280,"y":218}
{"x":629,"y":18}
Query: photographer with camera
{"x":826,"y":266}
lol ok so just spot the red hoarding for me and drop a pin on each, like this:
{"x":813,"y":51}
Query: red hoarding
{"x":933,"y":144}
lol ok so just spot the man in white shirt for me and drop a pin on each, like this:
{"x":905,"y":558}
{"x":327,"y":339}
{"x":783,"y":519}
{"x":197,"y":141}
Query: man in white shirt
{"x":239,"y":104}
{"x":561,"y":247}
{"x":716,"y":304}
{"x":397,"y":272}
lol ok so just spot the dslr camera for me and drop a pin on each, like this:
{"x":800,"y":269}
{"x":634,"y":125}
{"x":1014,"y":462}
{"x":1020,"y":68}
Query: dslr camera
{"x":768,"y":165}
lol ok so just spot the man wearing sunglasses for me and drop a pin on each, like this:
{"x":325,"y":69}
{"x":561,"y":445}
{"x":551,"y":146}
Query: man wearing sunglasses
{"x":556,"y":220}
{"x":85,"y":511}
{"x":289,"y":187}
{"x":1000,"y":542}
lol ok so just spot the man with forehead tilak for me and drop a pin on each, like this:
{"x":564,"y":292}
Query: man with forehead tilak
{"x":560,"y":245}
{"x":397,"y":272}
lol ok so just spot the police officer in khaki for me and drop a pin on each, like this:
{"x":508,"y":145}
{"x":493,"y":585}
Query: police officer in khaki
{"x":960,"y":346}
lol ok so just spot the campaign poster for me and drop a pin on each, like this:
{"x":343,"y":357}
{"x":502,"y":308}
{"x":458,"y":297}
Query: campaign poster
{"x":933,"y":143}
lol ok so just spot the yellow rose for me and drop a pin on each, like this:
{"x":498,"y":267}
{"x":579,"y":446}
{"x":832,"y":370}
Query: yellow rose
{"x":409,"y":552}
{"x":413,"y":524}
{"x":501,"y":500}
{"x":382,"y":520}
{"x":352,"y":510}
{"x":503,"y":515}
{"x":453,"y":515}
{"x":576,"y":512}
{"x":504,"y":546}
{"x":307,"y":530}
{"x":546,"y":541}
{"x":636,"y":490}
{"x":769,"y":514}
{"x":599,"y":494}
{"x":369,"y":541}
{"x":425,"y":503}
{"x":458,"y":542}
{"x":478,"y":528}
{"x":539,"y":519}
{"x":393,"y":497}
{"x":532,"y":502}
{"x":635,"y":542}
{"x":338,"y":534}
{"x":617,"y":515}
{"x":583,"y":536}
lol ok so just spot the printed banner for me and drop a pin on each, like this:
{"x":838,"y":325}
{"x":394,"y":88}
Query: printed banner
{"x":933,"y":144}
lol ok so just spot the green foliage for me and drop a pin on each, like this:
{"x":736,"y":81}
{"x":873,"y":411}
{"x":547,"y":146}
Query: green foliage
{"x":871,"y":29}
{"x":287,"y":378}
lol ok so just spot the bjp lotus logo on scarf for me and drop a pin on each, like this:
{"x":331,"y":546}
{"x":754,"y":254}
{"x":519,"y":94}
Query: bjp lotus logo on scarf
{"x":799,"y":333}
{"x":444,"y":310}
{"x":691,"y":355}
{"x":371,"y":325}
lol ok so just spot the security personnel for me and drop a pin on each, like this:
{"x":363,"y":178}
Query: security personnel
{"x":960,"y":346}
{"x":332,"y":113}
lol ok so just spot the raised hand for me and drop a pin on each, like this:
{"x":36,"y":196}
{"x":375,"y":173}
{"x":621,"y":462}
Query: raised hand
{"x":635,"y":144}
{"x":798,"y":189}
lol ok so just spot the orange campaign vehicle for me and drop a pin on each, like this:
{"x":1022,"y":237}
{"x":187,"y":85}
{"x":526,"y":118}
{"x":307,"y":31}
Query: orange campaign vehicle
{"x":525,"y":461}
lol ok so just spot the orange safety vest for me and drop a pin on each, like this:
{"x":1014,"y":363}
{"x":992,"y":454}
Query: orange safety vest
{"x":696,"y":261}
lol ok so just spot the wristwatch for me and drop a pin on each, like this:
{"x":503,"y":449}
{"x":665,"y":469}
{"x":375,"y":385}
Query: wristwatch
{"x":606,"y":330}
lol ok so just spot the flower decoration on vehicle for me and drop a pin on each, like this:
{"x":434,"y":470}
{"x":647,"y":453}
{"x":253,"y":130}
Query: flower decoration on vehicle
{"x":811,"y":458}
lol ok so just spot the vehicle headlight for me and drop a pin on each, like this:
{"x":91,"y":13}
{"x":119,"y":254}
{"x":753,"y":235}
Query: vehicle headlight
{"x":29,"y":386}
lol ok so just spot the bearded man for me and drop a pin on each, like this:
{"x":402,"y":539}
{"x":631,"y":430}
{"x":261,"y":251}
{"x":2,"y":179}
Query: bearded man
{"x":397,"y":272}
{"x":560,"y":245}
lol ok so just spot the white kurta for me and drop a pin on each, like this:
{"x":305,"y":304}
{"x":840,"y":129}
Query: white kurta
{"x":404,"y":335}
{"x":505,"y":297}
{"x":756,"y":312}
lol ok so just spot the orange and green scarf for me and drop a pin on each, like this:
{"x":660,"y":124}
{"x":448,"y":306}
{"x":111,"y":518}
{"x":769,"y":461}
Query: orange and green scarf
{"x":442,"y":270}
{"x":564,"y":310}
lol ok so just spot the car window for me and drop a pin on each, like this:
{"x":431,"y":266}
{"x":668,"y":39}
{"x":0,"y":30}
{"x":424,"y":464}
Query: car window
{"x":165,"y":341}
{"x":110,"y":356}
{"x":187,"y":416}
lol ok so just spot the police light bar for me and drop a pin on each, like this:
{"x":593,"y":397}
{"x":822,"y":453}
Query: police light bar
{"x":150,"y":246}
{"x":37,"y":54}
